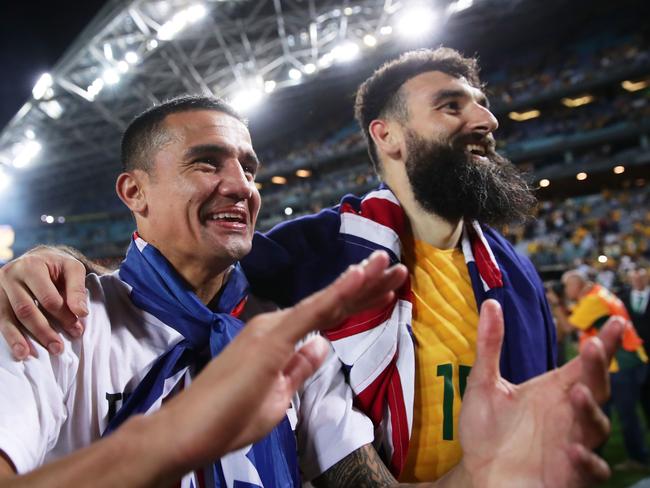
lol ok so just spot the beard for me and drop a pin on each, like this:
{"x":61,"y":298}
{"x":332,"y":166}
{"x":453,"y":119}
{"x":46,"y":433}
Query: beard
{"x":448,"y":182}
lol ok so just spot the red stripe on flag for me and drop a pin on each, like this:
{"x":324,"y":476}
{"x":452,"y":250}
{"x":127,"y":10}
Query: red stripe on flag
{"x":384,"y":212}
{"x":361,"y":322}
{"x":490,"y":273}
{"x":398,"y":423}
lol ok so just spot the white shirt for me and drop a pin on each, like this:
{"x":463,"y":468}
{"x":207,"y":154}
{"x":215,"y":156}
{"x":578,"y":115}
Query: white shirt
{"x":51,"y":406}
{"x":639,"y":297}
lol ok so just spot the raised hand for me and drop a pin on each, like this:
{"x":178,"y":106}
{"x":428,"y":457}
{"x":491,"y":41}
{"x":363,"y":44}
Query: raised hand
{"x":539,"y":433}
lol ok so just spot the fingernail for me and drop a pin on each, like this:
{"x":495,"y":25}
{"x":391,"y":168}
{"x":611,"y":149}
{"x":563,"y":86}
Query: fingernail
{"x":76,"y":330}
{"x":20,"y":351}
{"x":83,"y":306}
{"x":55,"y":348}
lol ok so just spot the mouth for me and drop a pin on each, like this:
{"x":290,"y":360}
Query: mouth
{"x":233,"y":219}
{"x":478,"y":152}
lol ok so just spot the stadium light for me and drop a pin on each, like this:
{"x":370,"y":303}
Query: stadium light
{"x":258,"y":185}
{"x":386,"y":30}
{"x":42,"y":85}
{"x":52,"y":108}
{"x":544,"y":182}
{"x":95,"y":87}
{"x":110,"y":76}
{"x":131,"y":57}
{"x":602,"y":259}
{"x":25,"y":152}
{"x":303,"y":173}
{"x":295,"y":74}
{"x":269,"y":86}
{"x":416,"y":21}
{"x":370,"y":40}
{"x":326,"y":60}
{"x":578,"y":101}
{"x":288,"y":211}
{"x":345,"y":52}
{"x":180,"y":20}
{"x":619,"y":169}
{"x":633,"y":86}
{"x":245,"y":100}
{"x":459,"y":6}
{"x":30,"y":134}
{"x":122,"y":66}
{"x":347,"y":11}
{"x":279,"y":180}
{"x":108,"y":51}
{"x":5,"y":180}
{"x":309,"y":68}
{"x":523,"y":116}
{"x":196,"y":13}
{"x":152,"y":44}
{"x":49,"y":219}
{"x":581,"y":176}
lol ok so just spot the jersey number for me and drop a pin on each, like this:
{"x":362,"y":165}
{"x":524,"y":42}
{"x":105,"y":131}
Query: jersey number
{"x":447,"y":372}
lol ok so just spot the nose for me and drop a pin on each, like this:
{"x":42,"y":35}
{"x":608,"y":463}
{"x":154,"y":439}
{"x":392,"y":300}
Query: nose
{"x":482,"y":120}
{"x":234,"y":183}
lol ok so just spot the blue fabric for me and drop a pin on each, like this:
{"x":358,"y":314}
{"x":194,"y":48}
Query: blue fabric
{"x":159,"y":290}
{"x":301,"y":256}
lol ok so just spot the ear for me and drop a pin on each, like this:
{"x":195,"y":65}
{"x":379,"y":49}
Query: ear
{"x":386,"y":137}
{"x":130,"y":188}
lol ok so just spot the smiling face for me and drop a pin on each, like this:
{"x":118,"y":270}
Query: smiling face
{"x":201,"y":199}
{"x":449,"y":153}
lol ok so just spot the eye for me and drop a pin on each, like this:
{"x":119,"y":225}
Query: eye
{"x":452,"y":105}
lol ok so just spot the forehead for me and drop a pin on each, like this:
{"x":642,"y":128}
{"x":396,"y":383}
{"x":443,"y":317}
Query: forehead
{"x":426,"y":85}
{"x":203,"y":126}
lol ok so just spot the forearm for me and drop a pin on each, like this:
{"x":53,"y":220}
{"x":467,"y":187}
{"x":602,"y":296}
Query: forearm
{"x":138,"y":455}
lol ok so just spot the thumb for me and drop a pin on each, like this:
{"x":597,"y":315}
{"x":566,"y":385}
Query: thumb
{"x":306,"y":360}
{"x":488,"y":345}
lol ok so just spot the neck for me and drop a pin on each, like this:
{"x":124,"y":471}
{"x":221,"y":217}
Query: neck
{"x":586,"y":289}
{"x":205,"y":278}
{"x":426,"y":226}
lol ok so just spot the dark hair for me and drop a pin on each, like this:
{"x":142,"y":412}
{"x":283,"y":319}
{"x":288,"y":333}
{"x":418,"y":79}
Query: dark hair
{"x":146,"y":133}
{"x":380,"y":94}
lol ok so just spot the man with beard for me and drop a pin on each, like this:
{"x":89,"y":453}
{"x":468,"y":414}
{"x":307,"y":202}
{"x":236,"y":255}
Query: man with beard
{"x":429,"y":135}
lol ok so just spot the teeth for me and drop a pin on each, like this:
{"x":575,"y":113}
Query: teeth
{"x":476,"y":149}
{"x":227,"y":216}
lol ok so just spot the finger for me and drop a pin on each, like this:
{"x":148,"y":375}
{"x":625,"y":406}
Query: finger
{"x":488,"y":344}
{"x":595,"y":366}
{"x":305,"y":361}
{"x":611,"y":335}
{"x":51,"y":301}
{"x":593,"y":424}
{"x":10,"y":330}
{"x":74,"y":275}
{"x":350,"y":293}
{"x":590,"y":469}
{"x":29,"y":315}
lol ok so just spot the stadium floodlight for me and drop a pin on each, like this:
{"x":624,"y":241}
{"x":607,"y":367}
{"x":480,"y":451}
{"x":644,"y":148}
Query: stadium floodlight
{"x":196,"y":12}
{"x":303,"y":173}
{"x":577,"y":102}
{"x":326,"y":61}
{"x":52,"y":108}
{"x":279,"y":180}
{"x":602,"y":259}
{"x":523,"y":116}
{"x":30,"y":134}
{"x":386,"y":30}
{"x":370,"y":40}
{"x":152,"y":44}
{"x":544,"y":182}
{"x":25,"y":152}
{"x":416,"y":21}
{"x":347,"y":11}
{"x":95,"y":87}
{"x":49,"y":219}
{"x":108,"y":51}
{"x":633,"y":86}
{"x":42,"y":85}
{"x":131,"y":57}
{"x":459,"y":6}
{"x":245,"y":100}
{"x":345,"y":52}
{"x":581,"y":176}
{"x":269,"y":86}
{"x":295,"y":74}
{"x":122,"y":66}
{"x":110,"y":76}
{"x":288,"y":211}
{"x":619,"y":169}
{"x":309,"y":68}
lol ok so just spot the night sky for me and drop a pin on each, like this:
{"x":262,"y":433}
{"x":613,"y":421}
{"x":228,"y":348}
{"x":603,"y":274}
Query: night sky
{"x":33,"y":36}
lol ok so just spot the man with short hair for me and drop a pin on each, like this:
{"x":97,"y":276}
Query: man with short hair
{"x":594,"y":305}
{"x":430,"y":136}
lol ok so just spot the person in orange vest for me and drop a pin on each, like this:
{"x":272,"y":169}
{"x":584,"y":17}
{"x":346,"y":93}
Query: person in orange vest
{"x":593,"y":305}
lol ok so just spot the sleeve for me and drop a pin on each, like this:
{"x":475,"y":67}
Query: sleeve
{"x":587,"y":312}
{"x":329,"y":427}
{"x":32,"y":404}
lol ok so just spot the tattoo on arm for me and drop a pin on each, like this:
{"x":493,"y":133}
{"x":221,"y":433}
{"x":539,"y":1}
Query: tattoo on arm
{"x":361,"y":469}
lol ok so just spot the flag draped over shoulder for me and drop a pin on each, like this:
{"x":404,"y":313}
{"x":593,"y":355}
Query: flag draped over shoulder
{"x":376,"y":347}
{"x":159,"y":290}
